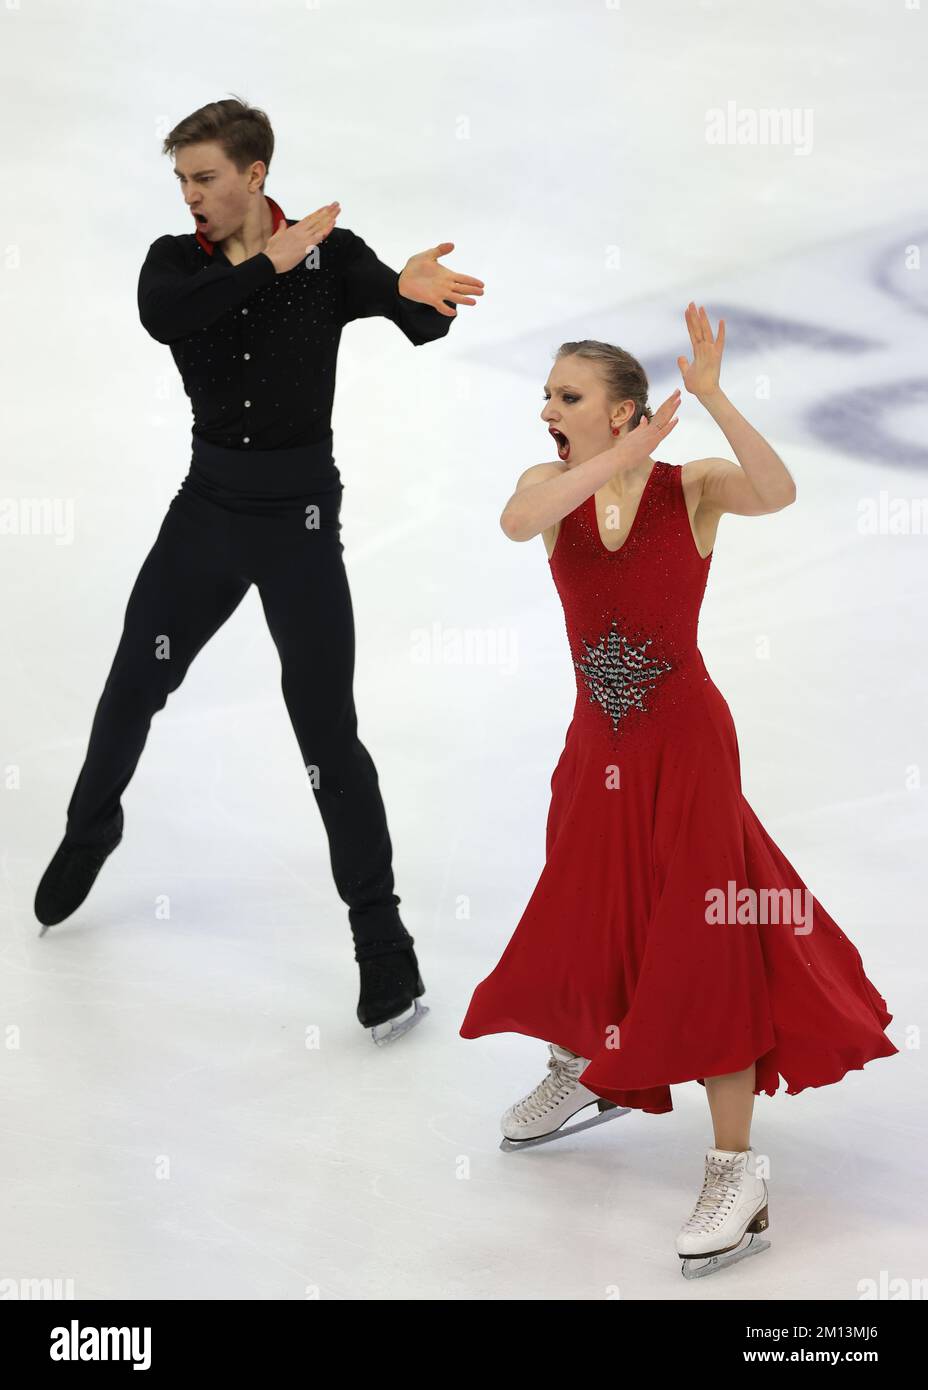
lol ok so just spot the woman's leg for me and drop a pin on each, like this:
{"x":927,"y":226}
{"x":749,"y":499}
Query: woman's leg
{"x":731,"y":1101}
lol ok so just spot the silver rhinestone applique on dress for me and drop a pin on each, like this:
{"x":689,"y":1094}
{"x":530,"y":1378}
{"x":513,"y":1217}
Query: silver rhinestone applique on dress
{"x":619,"y":674}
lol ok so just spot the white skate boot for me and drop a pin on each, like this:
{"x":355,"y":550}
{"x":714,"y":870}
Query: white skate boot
{"x":541,"y":1115}
{"x":728,"y":1217}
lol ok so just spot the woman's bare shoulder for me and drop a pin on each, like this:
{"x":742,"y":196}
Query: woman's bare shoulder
{"x":540,"y":473}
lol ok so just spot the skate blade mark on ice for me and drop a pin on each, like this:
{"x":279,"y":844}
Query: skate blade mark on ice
{"x":608,"y":1111}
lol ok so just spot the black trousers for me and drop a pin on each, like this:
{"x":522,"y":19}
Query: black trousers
{"x":269,"y":518}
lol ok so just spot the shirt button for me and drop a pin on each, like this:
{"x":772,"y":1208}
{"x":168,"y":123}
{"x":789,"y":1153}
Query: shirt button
{"x":244,"y":311}
{"x":247,"y":356}
{"x":247,"y":439}
{"x":248,"y":402}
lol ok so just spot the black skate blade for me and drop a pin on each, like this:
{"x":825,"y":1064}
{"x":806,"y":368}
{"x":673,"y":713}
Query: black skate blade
{"x":613,"y":1113}
{"x":395,"y":1027}
{"x":697,"y":1266}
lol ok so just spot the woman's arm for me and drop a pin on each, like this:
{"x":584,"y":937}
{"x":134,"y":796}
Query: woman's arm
{"x":543,"y":497}
{"x":762,"y":483}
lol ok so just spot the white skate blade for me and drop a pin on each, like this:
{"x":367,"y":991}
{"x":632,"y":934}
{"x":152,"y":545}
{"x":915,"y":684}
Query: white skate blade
{"x":613,"y":1113}
{"x":395,"y":1027}
{"x":696,"y":1266}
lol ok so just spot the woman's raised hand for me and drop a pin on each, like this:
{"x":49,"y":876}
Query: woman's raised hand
{"x":701,"y":376}
{"x":639,"y":443}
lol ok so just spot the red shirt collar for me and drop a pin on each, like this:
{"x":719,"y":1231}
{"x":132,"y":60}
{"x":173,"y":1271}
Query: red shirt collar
{"x":278,"y":216}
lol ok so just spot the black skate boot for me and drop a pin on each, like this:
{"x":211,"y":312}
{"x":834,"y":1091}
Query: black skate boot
{"x":390,"y":988}
{"x":68,"y":879}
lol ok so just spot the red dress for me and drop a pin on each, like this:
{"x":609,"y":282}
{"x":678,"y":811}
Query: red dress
{"x":645,"y":945}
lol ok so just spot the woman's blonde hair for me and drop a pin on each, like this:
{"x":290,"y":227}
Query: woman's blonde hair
{"x":623,"y":375}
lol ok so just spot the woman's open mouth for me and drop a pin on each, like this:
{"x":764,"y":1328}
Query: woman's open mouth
{"x":562,"y":442}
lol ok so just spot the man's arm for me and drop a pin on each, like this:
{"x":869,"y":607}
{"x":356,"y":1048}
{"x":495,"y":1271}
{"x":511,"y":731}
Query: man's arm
{"x":371,"y":288}
{"x":173,"y":303}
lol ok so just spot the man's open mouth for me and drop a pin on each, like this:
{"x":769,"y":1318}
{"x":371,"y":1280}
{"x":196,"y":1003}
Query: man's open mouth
{"x":562,"y":442}
{"x":201,"y":217}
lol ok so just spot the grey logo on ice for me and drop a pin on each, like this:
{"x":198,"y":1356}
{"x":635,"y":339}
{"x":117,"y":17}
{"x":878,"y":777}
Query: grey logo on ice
{"x":76,"y":1343}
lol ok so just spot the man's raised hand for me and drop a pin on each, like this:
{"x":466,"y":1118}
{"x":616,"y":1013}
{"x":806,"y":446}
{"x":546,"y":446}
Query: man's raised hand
{"x":287,"y":247}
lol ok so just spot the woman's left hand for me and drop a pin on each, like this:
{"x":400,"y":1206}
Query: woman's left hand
{"x":701,"y":376}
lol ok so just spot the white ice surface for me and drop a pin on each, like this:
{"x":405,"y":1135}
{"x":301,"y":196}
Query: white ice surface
{"x":165,"y":1129}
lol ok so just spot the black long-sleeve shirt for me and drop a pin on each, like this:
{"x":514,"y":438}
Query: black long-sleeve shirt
{"x":257,"y":350}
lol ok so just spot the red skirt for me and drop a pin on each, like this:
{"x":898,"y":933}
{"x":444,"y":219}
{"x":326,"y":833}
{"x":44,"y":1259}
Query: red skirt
{"x":649,"y":944}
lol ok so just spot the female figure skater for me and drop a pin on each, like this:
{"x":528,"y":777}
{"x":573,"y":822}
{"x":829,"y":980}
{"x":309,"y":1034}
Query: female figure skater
{"x":668,"y":938}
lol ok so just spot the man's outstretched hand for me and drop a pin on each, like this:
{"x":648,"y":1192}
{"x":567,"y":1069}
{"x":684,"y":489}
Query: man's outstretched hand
{"x":422,"y":279}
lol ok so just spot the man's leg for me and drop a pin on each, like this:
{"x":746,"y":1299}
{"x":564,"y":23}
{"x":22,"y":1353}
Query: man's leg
{"x":185,"y":591}
{"x":305,"y":595}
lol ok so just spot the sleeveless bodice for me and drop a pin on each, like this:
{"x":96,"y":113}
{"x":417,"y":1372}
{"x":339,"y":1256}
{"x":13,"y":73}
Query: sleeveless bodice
{"x":632,"y":614}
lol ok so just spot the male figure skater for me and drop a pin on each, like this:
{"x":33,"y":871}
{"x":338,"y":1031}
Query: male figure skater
{"x":252,"y":304}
